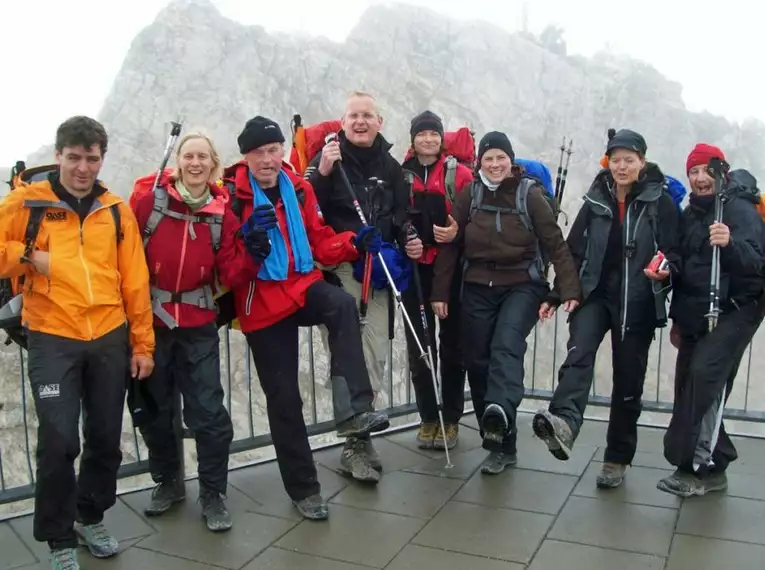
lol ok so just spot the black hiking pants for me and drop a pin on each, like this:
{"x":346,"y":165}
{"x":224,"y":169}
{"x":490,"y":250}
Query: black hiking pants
{"x":449,"y":350}
{"x":275,"y":351}
{"x":66,"y":374}
{"x":189,"y":358}
{"x":706,"y":367}
{"x":588,"y":326}
{"x":495,"y":324}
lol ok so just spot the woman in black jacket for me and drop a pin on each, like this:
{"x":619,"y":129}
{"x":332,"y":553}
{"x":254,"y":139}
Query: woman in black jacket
{"x":626,"y":219}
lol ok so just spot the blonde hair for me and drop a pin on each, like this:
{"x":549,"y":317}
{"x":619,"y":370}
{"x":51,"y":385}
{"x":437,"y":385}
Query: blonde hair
{"x":368,"y":95}
{"x":216,"y":171}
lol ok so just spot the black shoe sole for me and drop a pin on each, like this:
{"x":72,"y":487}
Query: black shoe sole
{"x":545,"y":431}
{"x":494,"y":430}
{"x":380,"y":424}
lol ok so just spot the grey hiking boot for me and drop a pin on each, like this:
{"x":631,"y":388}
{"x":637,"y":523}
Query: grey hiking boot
{"x":611,"y":475}
{"x":98,"y":540}
{"x":451,"y":439}
{"x":164,"y":496}
{"x":363,"y":424}
{"x":426,"y":435}
{"x":555,"y":432}
{"x":372,"y":456}
{"x":64,"y":559}
{"x":685,"y":484}
{"x":313,"y":508}
{"x":496,"y":462}
{"x":354,"y":461}
{"x":495,"y":427}
{"x":214,"y":511}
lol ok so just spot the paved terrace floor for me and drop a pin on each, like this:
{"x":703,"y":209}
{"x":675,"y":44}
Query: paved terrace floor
{"x":542,"y":515}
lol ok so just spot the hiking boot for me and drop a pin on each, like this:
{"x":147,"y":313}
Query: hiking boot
{"x":496,"y":462}
{"x":363,"y":424}
{"x":372,"y":456}
{"x":313,"y":508}
{"x":164,"y":496}
{"x":64,"y":559}
{"x":214,"y":511}
{"x":684,"y":484}
{"x":354,"y":461}
{"x":426,"y":435}
{"x":495,"y":426}
{"x":555,"y":432}
{"x":98,"y":540}
{"x":452,"y":436}
{"x":611,"y":476}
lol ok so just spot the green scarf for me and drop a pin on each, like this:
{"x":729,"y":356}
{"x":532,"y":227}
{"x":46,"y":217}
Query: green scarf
{"x":192,"y":202}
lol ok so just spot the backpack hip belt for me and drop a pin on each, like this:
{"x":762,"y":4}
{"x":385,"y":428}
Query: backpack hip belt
{"x":202,"y":298}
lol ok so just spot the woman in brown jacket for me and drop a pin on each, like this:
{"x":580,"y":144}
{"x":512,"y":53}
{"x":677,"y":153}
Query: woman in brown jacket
{"x":508,"y":232}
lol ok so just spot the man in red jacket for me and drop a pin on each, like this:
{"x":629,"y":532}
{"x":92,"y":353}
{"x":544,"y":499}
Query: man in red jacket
{"x":278,"y":289}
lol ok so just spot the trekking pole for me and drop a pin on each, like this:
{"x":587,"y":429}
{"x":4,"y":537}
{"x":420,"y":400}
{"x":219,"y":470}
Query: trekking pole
{"x":366,"y":282}
{"x":560,"y":168}
{"x":559,"y":189}
{"x":171,"y":140}
{"x":717,"y":169}
{"x":427,"y":339}
{"x":394,"y":290}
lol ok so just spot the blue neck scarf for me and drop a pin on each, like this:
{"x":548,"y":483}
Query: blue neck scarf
{"x":276,"y":266}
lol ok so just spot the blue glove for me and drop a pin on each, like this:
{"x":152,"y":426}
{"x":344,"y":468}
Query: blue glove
{"x":258,"y":245}
{"x":368,"y":240}
{"x":263,"y":218}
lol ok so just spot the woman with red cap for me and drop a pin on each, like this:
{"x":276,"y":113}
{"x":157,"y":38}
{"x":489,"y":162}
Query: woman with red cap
{"x":707,"y":361}
{"x":627,"y":217}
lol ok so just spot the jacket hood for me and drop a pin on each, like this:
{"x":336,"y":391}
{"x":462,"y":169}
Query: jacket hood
{"x":744,"y":185}
{"x":42,"y":191}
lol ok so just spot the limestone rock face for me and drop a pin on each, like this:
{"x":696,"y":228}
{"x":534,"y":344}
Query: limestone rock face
{"x":215,"y":74}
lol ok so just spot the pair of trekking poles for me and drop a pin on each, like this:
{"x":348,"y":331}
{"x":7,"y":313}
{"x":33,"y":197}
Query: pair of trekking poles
{"x":426,"y":355}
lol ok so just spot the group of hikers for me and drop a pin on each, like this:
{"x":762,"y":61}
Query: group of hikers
{"x":117,"y":295}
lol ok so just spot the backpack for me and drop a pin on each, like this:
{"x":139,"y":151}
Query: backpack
{"x":538,"y":170}
{"x":538,"y":266}
{"x":308,"y":141}
{"x":11,"y":288}
{"x":676,"y":190}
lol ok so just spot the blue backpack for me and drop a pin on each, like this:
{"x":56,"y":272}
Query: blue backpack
{"x":676,"y":190}
{"x":538,"y":170}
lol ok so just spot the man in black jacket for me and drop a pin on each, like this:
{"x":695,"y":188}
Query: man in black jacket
{"x":707,"y":361}
{"x":378,"y":181}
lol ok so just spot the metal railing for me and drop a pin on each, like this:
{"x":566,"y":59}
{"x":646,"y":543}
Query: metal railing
{"x":246,"y":403}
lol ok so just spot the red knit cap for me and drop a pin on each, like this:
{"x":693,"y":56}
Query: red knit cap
{"x":701,"y":154}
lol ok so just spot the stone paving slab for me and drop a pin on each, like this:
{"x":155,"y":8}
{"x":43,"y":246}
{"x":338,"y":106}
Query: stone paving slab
{"x":542,"y":515}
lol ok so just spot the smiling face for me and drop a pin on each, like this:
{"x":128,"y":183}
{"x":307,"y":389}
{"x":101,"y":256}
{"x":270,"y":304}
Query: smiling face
{"x":496,"y":165}
{"x":702,"y":184}
{"x":79,"y":167}
{"x":265,"y":162}
{"x":427,"y":143}
{"x":625,"y":166}
{"x":361,"y":121}
{"x":196,"y":162}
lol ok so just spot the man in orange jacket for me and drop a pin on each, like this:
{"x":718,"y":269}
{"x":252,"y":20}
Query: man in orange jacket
{"x":87,"y":313}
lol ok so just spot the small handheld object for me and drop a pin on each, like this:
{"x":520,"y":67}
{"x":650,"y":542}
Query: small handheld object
{"x":658,"y":263}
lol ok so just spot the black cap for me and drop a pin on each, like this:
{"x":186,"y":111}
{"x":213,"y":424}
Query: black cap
{"x":426,"y":121}
{"x":495,"y":139}
{"x":625,"y":138}
{"x":257,"y":132}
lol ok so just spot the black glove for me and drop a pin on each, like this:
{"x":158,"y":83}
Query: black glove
{"x":258,"y":245}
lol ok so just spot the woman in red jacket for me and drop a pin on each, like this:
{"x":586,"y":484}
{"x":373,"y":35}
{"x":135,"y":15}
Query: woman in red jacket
{"x":433,"y":188}
{"x":279,"y":289}
{"x":184,"y":222}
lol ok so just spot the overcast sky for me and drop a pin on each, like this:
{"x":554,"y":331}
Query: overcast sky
{"x":59,"y":58}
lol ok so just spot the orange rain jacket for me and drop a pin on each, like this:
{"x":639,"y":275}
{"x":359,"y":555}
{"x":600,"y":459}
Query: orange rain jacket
{"x":91,"y":288}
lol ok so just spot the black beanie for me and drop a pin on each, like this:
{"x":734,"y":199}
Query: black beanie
{"x":625,"y":138}
{"x":257,"y":132}
{"x":426,"y":121}
{"x":495,"y":139}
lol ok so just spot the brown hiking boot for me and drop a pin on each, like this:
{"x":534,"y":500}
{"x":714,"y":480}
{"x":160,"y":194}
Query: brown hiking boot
{"x":452,"y":436}
{"x":687,"y":485}
{"x":426,"y":435}
{"x":611,"y":476}
{"x":354,"y":461}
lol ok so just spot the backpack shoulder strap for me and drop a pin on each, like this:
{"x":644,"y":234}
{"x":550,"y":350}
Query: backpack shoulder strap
{"x":236,"y":203}
{"x":115,"y":210}
{"x":450,"y":178}
{"x":521,"y":202}
{"x":36,"y":214}
{"x":161,"y":200}
{"x":476,"y":197}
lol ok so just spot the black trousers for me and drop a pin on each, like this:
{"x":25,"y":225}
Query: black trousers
{"x":496,"y":322}
{"x":64,"y":373}
{"x":190,"y":359}
{"x":588,"y":326}
{"x":275,"y":351}
{"x":449,"y":350}
{"x":706,"y":367}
